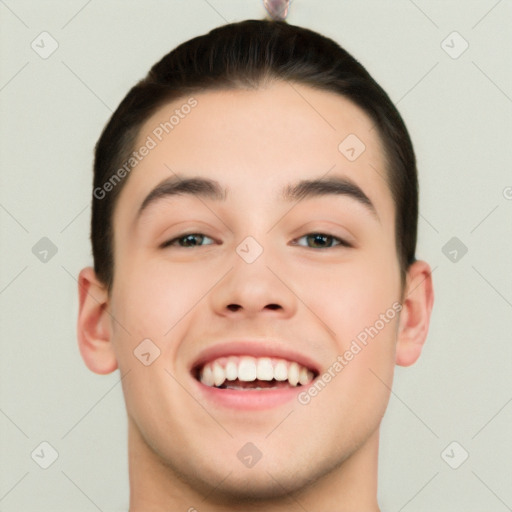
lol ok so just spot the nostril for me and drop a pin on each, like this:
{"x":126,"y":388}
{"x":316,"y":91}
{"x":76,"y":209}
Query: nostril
{"x":236,"y":307}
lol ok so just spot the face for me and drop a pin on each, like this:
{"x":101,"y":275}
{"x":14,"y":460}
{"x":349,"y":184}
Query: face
{"x":299,"y":291}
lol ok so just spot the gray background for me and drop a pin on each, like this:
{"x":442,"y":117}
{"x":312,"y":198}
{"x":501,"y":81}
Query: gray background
{"x":459,"y":113}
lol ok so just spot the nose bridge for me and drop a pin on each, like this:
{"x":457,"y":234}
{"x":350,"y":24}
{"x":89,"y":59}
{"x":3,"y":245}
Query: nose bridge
{"x":254,"y":283}
{"x":250,"y":250}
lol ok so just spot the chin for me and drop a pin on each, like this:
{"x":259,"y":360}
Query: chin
{"x":274,"y":479}
{"x":251,"y":485}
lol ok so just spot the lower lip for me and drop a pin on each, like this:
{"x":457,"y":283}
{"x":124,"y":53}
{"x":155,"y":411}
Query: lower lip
{"x":250,"y":399}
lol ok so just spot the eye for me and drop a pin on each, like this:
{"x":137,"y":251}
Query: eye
{"x":188,"y":240}
{"x":322,"y":241}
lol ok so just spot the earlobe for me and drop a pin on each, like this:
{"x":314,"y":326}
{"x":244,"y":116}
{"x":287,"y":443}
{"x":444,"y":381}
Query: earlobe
{"x":415,"y":316}
{"x":93,"y":327}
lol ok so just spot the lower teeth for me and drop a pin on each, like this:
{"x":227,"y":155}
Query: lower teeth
{"x":254,"y":385}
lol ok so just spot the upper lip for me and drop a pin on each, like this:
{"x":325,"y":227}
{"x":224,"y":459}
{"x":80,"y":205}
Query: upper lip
{"x":254,"y":348}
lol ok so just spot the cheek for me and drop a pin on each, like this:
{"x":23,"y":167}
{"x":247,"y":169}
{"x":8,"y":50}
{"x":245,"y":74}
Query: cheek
{"x":351,"y":296}
{"x":152,"y":296}
{"x":359,"y":303}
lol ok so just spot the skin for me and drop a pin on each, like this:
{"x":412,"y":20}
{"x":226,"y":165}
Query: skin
{"x":316,"y":457}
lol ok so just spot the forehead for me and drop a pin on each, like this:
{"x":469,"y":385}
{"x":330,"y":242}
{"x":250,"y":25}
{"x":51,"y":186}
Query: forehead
{"x":255,"y":142}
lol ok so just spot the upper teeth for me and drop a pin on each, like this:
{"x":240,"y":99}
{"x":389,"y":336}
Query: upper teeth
{"x":248,"y":369}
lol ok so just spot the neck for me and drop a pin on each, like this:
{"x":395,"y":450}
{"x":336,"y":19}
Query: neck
{"x":158,"y":487}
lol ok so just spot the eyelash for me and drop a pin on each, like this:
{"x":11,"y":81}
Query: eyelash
{"x":342,"y":243}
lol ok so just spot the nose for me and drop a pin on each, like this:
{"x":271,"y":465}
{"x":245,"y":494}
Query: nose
{"x":254,"y":289}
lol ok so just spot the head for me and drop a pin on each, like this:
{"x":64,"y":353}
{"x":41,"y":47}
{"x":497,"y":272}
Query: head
{"x":304,"y":248}
{"x":248,"y":55}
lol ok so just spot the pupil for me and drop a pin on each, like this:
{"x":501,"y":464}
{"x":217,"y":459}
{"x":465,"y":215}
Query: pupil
{"x":189,"y":240}
{"x":320,"y":237}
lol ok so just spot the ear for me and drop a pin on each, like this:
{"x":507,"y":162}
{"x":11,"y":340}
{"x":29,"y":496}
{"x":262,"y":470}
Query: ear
{"x":418,"y":299}
{"x":94,"y":330}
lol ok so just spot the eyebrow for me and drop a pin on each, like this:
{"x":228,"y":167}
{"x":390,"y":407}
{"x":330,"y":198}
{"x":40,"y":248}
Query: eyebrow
{"x":198,"y":187}
{"x":329,"y":186}
{"x":304,"y":189}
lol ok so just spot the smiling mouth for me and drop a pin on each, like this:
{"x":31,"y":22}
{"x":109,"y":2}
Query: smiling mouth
{"x":245,"y":373}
